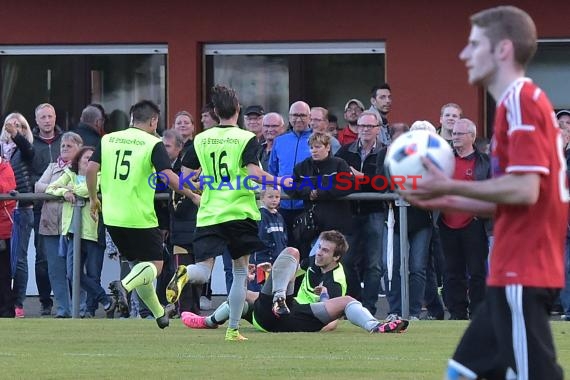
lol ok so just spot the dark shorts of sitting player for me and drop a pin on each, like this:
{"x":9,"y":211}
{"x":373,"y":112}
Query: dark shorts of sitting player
{"x":137,"y":244}
{"x":513,"y":324}
{"x":240,"y":237}
{"x":302,"y":318}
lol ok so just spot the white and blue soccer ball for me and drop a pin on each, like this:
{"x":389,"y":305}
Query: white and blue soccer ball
{"x":404,"y":154}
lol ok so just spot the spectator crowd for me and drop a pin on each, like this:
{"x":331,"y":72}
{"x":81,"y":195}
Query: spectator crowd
{"x":448,"y":252}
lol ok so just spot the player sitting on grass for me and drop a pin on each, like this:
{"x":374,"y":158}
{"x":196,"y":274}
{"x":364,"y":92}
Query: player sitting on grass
{"x":269,"y":311}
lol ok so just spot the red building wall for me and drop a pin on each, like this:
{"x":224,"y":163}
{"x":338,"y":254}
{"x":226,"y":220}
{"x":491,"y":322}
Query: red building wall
{"x":423,"y":39}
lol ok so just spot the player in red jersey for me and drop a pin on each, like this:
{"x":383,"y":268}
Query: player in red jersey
{"x":509,"y":336}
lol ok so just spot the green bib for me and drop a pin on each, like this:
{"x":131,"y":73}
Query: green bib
{"x":227,"y":194}
{"x":306,"y":293}
{"x":127,"y":197}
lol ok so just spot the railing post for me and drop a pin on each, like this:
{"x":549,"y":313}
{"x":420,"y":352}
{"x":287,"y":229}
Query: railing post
{"x":404,"y":257}
{"x":76,"y":285}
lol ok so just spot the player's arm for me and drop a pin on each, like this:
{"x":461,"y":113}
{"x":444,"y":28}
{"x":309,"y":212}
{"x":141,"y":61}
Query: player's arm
{"x":251,"y":162}
{"x":91,"y":179}
{"x":512,"y":188}
{"x":93,"y":169}
{"x":190,"y":163}
{"x":331,"y":326}
{"x":454,"y":203}
{"x":161,"y":164}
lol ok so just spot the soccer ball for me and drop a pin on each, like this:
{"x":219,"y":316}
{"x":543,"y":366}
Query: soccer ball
{"x":404,"y":154}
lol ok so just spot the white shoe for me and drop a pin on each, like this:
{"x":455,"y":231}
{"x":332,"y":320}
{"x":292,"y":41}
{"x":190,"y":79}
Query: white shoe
{"x":205,"y":303}
{"x":392,"y":318}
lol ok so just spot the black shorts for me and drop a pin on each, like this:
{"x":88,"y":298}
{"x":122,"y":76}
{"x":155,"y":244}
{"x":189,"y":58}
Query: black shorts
{"x":511,"y":329}
{"x":301,"y":318}
{"x":142,"y":244}
{"x":240,"y":237}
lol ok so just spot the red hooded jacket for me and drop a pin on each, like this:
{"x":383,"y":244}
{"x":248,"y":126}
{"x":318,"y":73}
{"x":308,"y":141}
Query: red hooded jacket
{"x":7,"y":184}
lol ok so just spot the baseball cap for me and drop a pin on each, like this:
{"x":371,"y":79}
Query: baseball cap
{"x":256,"y":109}
{"x":562,"y":112}
{"x":356,"y":101}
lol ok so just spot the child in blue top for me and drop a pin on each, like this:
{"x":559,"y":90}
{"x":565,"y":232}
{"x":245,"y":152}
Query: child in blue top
{"x":272,"y":232}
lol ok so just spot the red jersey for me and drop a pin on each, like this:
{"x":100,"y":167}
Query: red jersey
{"x":346,"y":136}
{"x":464,"y":170}
{"x":529,"y":240}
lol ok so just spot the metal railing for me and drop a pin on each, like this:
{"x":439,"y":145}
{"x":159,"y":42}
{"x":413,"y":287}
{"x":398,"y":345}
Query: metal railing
{"x":80,"y":203}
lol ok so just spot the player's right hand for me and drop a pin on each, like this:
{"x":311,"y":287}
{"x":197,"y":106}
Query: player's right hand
{"x":320,"y":289}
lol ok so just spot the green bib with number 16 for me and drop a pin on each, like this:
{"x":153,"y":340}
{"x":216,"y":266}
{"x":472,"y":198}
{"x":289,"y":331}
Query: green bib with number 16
{"x":227,"y":195}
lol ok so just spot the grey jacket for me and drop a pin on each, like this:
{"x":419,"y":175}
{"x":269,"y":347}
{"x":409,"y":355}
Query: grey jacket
{"x":50,"y":221}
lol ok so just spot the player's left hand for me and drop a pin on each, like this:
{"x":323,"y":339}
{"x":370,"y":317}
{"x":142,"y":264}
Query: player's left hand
{"x":95,"y":208}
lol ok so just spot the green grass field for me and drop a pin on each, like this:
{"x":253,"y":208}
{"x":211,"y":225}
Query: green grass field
{"x":137,"y":349}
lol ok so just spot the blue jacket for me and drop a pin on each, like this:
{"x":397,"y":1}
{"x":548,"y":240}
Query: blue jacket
{"x":288,"y":150}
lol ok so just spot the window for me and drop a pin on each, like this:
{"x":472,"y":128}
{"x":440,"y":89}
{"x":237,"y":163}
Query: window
{"x":71,"y":77}
{"x":549,"y":69}
{"x":275,"y":75}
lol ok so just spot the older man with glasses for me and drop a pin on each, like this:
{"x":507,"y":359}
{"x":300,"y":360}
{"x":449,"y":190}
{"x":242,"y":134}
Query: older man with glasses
{"x":464,"y":236}
{"x":272,"y":127}
{"x":362,"y":263}
{"x":253,"y":120}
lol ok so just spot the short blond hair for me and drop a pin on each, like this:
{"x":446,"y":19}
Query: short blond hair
{"x":265,"y":189}
{"x":42,"y":106}
{"x":318,"y":137}
{"x":471,"y":127}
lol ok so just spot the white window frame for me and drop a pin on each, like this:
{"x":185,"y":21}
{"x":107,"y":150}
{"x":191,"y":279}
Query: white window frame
{"x":292,"y":48}
{"x":83,"y":49}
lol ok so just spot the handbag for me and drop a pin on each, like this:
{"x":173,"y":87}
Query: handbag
{"x":305,"y":226}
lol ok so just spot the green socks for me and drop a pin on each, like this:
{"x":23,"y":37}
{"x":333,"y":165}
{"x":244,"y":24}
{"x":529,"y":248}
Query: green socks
{"x":141,"y":278}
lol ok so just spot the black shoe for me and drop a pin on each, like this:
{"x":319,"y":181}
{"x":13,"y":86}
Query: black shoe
{"x":170,"y":311}
{"x":110,"y":314}
{"x":280,"y":307}
{"x":45,"y":310}
{"x":120,"y":295}
{"x":110,"y":309}
{"x":163,"y":321}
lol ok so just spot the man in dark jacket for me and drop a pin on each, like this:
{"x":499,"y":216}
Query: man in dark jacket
{"x":90,"y":126}
{"x":47,"y":140}
{"x":182,"y":224}
{"x":365,"y":241}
